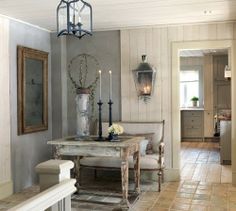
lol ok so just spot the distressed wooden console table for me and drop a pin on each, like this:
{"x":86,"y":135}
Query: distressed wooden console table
{"x":128,"y":146}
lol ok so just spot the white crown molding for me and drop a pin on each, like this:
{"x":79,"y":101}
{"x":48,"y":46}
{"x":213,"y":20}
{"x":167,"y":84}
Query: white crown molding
{"x":26,"y":23}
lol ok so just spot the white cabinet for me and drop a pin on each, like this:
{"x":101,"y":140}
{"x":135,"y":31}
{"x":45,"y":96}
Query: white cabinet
{"x":192,"y":125}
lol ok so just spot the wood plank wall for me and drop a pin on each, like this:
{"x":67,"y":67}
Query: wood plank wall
{"x":156,"y":43}
{"x":5,"y":156}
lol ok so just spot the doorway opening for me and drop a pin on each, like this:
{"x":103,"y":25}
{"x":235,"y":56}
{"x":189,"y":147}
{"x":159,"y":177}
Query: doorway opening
{"x":177,"y":47}
{"x":205,"y":111}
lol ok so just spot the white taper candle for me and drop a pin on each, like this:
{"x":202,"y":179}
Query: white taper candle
{"x":100,"y":85}
{"x":110,"y":92}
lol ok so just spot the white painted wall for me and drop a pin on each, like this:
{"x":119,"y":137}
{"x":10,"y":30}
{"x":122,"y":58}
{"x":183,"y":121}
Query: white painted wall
{"x":157,"y":44}
{"x":5,"y":127}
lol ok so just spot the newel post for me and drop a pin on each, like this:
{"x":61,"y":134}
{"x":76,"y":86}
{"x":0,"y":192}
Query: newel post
{"x":53,"y":172}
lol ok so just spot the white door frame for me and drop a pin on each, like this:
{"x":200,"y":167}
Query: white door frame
{"x":195,"y":45}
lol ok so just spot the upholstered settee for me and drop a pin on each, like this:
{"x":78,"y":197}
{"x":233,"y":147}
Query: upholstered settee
{"x":153,"y":161}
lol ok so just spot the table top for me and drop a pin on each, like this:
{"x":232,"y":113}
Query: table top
{"x":125,"y":141}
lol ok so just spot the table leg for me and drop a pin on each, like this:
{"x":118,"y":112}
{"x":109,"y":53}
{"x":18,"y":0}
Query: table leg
{"x":136,"y":158}
{"x":125,"y":181}
{"x":56,"y":153}
{"x":77,"y":171}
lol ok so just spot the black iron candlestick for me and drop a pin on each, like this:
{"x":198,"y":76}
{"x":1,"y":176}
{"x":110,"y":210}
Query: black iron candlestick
{"x":100,"y":138}
{"x":110,"y":117}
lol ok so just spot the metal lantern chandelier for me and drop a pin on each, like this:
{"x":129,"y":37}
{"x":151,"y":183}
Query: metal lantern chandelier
{"x":74,"y":17}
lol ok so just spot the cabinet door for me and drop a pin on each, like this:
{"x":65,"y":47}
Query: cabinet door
{"x":192,"y":124}
{"x":219,"y":63}
{"x":208,"y":123}
{"x":222,"y":87}
{"x":222,"y":96}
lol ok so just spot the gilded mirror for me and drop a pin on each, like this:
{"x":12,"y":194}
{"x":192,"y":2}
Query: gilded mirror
{"x":32,"y":90}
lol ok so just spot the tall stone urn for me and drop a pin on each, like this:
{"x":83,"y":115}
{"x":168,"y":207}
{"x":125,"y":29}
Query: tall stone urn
{"x":82,"y":112}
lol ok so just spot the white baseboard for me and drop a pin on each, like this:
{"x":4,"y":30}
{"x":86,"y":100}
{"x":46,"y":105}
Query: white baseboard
{"x":6,"y":189}
{"x":172,"y":175}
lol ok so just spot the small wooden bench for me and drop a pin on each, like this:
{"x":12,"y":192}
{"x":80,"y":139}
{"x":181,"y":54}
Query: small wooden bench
{"x":148,"y":162}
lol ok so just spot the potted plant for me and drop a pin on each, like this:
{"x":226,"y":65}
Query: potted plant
{"x":194,"y":101}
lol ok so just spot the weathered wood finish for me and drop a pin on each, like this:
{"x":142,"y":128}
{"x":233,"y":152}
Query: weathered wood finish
{"x":125,"y":175}
{"x":145,"y":126}
{"x":22,"y":54}
{"x":77,"y":171}
{"x":56,"y":152}
{"x":123,"y":149}
{"x":157,"y":44}
{"x":136,"y":158}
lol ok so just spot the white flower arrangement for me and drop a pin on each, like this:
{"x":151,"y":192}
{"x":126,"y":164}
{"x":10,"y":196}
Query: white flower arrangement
{"x":116,"y":129}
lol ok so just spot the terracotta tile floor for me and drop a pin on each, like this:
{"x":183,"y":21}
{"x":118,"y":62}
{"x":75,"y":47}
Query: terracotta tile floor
{"x":204,"y":186}
{"x":200,"y":161}
{"x":189,"y":195}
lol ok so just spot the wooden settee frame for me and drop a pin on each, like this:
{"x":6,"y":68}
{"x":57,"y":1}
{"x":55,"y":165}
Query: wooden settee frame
{"x":160,"y":164}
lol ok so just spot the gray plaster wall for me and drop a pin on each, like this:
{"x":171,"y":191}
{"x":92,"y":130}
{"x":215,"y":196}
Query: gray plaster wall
{"x":27,"y":150}
{"x":105,"y":46}
{"x":56,"y":87}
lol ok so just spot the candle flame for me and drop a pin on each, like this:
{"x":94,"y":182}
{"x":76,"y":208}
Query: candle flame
{"x":100,"y":71}
{"x":146,"y":90}
{"x":110,"y":72}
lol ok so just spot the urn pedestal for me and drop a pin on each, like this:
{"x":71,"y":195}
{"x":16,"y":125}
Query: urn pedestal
{"x":82,"y":113}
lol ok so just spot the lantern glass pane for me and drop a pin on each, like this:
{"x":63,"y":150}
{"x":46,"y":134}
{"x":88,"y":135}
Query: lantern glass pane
{"x":145,"y":82}
{"x":62,"y":17}
{"x":85,"y":17}
{"x":74,"y":12}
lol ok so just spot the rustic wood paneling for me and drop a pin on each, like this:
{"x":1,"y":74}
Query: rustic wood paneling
{"x":5,"y":154}
{"x":157,"y":44}
{"x":208,"y":96}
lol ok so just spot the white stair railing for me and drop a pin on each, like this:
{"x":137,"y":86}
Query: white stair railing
{"x":55,"y":185}
{"x":49,"y":197}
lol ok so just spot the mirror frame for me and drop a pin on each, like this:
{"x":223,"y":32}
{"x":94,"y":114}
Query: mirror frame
{"x":22,"y":54}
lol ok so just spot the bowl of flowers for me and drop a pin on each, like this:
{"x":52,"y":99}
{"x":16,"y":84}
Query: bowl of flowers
{"x":114,"y":131}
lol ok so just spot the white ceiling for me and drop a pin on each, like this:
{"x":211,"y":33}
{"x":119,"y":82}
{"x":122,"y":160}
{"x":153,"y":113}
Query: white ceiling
{"x":117,"y":14}
{"x":200,"y":53}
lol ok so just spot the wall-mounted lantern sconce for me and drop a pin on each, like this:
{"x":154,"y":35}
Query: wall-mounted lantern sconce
{"x":227,"y":72}
{"x":144,"y":78}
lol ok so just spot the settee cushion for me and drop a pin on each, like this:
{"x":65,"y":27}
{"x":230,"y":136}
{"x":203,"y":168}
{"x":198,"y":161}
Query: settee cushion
{"x":143,"y":147}
{"x":140,"y":128}
{"x":146,"y":162}
{"x":148,"y":142}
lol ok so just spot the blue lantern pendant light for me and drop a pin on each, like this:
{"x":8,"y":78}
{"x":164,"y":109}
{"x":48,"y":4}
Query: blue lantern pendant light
{"x":74,"y":17}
